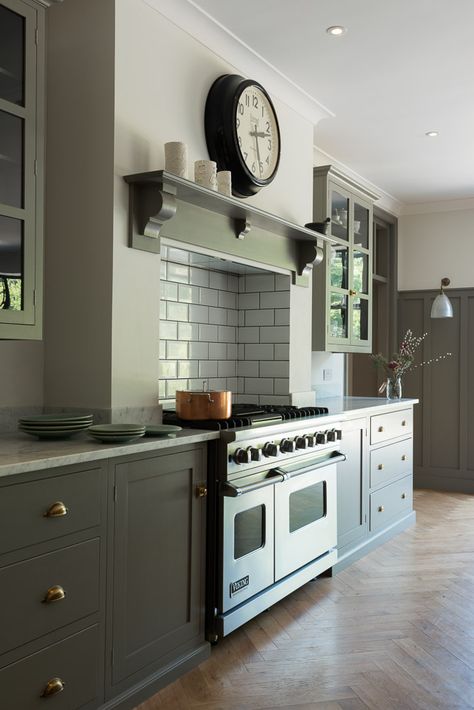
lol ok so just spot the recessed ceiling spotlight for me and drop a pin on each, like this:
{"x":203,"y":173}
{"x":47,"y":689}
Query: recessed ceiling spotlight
{"x":336,"y":30}
{"x":432,"y":134}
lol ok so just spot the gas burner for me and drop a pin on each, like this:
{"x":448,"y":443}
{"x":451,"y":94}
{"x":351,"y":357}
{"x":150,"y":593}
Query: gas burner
{"x":247,"y":415}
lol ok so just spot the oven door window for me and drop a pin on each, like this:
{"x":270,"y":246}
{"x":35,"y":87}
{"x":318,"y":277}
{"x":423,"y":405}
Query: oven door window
{"x":307,"y":506}
{"x":249,"y":531}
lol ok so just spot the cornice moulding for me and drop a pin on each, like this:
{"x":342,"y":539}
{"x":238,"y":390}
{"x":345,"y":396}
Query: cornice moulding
{"x":440,"y":206}
{"x":188,"y":16}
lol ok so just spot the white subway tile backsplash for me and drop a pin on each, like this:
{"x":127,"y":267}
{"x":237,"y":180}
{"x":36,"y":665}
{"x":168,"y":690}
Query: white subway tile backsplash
{"x":162,"y":389}
{"x":163,"y":310}
{"x":179,"y":256}
{"x":241,"y":320}
{"x":208,"y":368}
{"x":247,"y":301}
{"x":249,"y":335}
{"x":198,"y":277}
{"x":277,"y":334}
{"x":217,"y":351}
{"x":241,"y":351}
{"x":168,"y":291}
{"x":226,"y":368}
{"x":188,"y":368}
{"x":259,"y":282}
{"x":217,"y":383}
{"x":198,"y":351}
{"x":282,"y":386}
{"x":208,"y":332}
{"x":188,"y":294}
{"x":258,"y":385}
{"x":163,"y":268}
{"x":208,"y":297}
{"x":232,"y":384}
{"x":232,"y":283}
{"x":188,"y":331}
{"x":282,"y":316}
{"x":173,"y":385}
{"x":168,"y":369}
{"x":275,"y":299}
{"x":217,"y":316}
{"x":162,"y":349}
{"x":275,"y":399}
{"x":177,"y":272}
{"x":227,"y":299}
{"x":258,"y":317}
{"x":199,"y":314}
{"x":176,"y":350}
{"x":232,"y":317}
{"x":282,"y":282}
{"x":168,"y":330}
{"x":218,"y":279}
{"x":232,"y":351}
{"x":177,"y":311}
{"x":282,"y":351}
{"x":248,"y":368}
{"x":226,"y":334}
{"x":274,"y":368}
{"x":259,"y":352}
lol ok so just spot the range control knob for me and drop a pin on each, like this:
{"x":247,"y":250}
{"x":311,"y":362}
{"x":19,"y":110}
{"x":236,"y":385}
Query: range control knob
{"x":255,"y":453}
{"x":288,"y":445}
{"x":321,"y":437}
{"x":301,"y":442}
{"x":242,"y":456}
{"x":270,"y":449}
{"x":311,"y":440}
{"x":331,"y":435}
{"x":338,"y":434}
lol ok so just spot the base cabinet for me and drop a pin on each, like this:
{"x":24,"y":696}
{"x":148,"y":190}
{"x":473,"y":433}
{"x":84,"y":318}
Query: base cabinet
{"x":352,"y":487}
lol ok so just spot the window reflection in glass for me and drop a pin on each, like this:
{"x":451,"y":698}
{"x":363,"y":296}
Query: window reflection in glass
{"x":11,"y":160}
{"x":11,"y":264}
{"x":249,"y":531}
{"x":12,"y":43}
{"x":360,"y":319}
{"x":361,"y":226}
{"x":338,"y":266}
{"x":338,"y":321}
{"x":307,"y":505}
{"x":360,"y":277}
{"x":339,"y":215}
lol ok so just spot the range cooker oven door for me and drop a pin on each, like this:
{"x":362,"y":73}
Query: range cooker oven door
{"x":305,"y":514}
{"x":248,"y":539}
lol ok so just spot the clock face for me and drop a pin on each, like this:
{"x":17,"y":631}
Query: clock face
{"x":257,"y":133}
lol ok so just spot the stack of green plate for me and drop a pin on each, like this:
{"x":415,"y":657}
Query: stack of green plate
{"x":55,"y":426}
{"x":116,"y":433}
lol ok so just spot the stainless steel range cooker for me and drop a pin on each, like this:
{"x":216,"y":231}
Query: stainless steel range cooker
{"x":272,"y":514}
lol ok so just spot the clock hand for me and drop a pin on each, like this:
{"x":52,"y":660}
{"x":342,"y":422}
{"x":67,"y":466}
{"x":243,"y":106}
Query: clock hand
{"x":258,"y":151}
{"x":260,"y":134}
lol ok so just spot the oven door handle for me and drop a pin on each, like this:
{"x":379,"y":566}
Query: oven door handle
{"x":309,"y":467}
{"x":228,"y":489}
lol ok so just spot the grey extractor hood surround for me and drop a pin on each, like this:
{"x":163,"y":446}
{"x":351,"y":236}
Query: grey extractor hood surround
{"x":164,"y":205}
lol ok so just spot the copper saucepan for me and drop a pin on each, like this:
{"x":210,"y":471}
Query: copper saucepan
{"x":213,"y":404}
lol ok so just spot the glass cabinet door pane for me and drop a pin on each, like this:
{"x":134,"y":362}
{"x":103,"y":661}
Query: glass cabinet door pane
{"x":12,"y":52}
{"x":249,"y":531}
{"x":360,"y":275}
{"x":307,"y":505}
{"x":339,"y":215}
{"x":360,"y":319}
{"x":361,"y":226}
{"x":11,"y":264}
{"x":338,"y":270}
{"x":338,"y":317}
{"x":11,"y":160}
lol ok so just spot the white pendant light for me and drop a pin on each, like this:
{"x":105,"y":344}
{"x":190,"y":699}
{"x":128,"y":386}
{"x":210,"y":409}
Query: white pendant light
{"x":442,"y":307}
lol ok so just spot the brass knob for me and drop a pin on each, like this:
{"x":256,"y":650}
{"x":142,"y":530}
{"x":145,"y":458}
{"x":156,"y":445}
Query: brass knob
{"x":352,"y":292}
{"x":404,"y":423}
{"x":404,"y":457}
{"x":404,"y":495}
{"x":52,"y":687}
{"x":201,"y":491}
{"x":57,"y":510}
{"x":381,"y":508}
{"x":54,"y":594}
{"x":381,"y":428}
{"x":380,"y":466}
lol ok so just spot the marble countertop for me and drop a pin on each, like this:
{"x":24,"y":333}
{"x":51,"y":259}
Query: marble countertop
{"x":21,"y":453}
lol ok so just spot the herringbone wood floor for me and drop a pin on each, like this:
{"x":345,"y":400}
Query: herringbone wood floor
{"x":393,"y":631}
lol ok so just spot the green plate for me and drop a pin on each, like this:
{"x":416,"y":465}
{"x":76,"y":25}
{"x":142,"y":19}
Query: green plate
{"x":56,"y":418}
{"x":116,"y":438}
{"x":52,"y":435}
{"x":161,"y":429}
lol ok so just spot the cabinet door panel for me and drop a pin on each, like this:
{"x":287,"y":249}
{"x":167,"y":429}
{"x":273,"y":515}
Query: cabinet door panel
{"x":351,"y":490}
{"x":159,"y":552}
{"x":12,"y":51}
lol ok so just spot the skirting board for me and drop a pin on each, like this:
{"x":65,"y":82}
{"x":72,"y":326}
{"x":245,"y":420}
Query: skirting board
{"x":443,"y":483}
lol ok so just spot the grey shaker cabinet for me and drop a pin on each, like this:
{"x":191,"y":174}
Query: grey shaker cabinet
{"x":21,"y":168}
{"x":159,"y":559}
{"x":352,"y":487}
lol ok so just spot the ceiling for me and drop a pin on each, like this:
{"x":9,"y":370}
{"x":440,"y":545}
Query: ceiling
{"x":403,"y":68}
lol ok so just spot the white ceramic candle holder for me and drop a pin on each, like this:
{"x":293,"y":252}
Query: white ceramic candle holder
{"x":224,"y":182}
{"x":176,"y":158}
{"x":205,"y":173}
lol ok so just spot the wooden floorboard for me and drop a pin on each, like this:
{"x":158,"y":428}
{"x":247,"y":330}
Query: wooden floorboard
{"x":393,"y":631}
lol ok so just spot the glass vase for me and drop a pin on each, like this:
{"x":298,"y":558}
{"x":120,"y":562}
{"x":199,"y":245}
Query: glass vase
{"x":394,"y":388}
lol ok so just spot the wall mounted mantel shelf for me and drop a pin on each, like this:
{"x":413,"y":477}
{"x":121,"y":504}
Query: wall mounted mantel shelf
{"x":154,"y":201}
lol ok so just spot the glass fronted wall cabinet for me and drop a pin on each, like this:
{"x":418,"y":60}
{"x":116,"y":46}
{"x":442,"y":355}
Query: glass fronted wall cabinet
{"x":21,"y":165}
{"x":342,"y":284}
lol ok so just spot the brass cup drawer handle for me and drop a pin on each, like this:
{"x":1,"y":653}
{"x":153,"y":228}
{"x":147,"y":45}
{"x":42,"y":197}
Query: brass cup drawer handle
{"x":53,"y":687}
{"x":404,"y":423}
{"x":381,"y":508}
{"x":54,"y":594}
{"x":404,"y":495}
{"x":380,"y":467}
{"x":404,"y":457}
{"x":381,"y":429}
{"x":57,"y":510}
{"x":201,"y":491}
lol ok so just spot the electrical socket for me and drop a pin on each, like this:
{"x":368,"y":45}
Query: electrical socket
{"x":327,"y":374}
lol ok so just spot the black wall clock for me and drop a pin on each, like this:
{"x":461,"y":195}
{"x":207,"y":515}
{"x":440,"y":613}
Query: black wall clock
{"x":242,"y":133}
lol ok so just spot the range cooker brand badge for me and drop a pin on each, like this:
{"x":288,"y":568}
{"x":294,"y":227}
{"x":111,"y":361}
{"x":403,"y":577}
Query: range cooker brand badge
{"x":238,"y":585}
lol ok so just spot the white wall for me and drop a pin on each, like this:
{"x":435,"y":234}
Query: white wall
{"x":436,"y":243}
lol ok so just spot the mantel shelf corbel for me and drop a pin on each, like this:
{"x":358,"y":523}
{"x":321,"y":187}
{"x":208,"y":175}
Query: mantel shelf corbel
{"x":155,"y":198}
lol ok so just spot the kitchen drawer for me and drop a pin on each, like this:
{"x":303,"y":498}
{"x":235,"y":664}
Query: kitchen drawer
{"x":24,"y":508}
{"x":75,"y":662}
{"x":390,"y":502}
{"x":390,"y":425}
{"x":390,"y":462}
{"x":24,"y":586}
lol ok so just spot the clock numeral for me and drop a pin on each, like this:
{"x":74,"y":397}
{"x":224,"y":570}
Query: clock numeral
{"x":267,"y":124}
{"x":260,"y":165}
{"x":237,"y":123}
{"x":268,"y":160}
{"x":246,"y":155}
{"x":240,"y":141}
{"x":269,"y":144}
{"x":255,"y":101}
{"x":241,"y":108}
{"x":254,"y":167}
{"x":247,"y":100}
